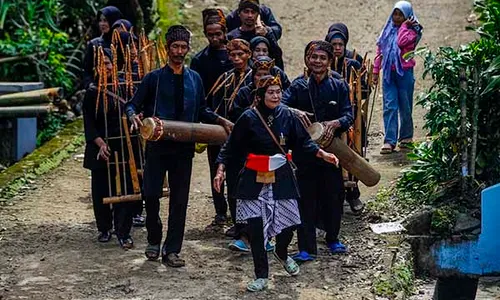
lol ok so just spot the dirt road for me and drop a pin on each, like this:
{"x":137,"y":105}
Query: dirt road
{"x":48,"y":247}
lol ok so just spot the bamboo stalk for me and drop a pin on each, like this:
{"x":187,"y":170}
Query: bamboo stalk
{"x":358,"y":120}
{"x":31,"y":97}
{"x":117,"y":176}
{"x":131,"y":158}
{"x":475,"y":120}
{"x":463,"y":130}
{"x":25,"y":111}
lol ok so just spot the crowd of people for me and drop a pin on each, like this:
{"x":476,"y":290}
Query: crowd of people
{"x":278,"y":180}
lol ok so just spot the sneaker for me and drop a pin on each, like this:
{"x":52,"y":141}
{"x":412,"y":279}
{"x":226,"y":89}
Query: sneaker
{"x":231,"y":232}
{"x":257,"y":285}
{"x":269,"y":247}
{"x":303,"y":256}
{"x":337,"y":247}
{"x":104,"y":237}
{"x":138,"y":221}
{"x":239,"y":245}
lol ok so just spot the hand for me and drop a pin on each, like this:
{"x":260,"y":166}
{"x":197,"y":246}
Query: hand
{"x":303,"y":116}
{"x":136,"y":122}
{"x":261,"y":30}
{"x":375,"y":79}
{"x":219,"y":178}
{"x":330,"y":127}
{"x":328,"y":157}
{"x":228,"y":125}
{"x":411,"y":22}
{"x":103,"y":149}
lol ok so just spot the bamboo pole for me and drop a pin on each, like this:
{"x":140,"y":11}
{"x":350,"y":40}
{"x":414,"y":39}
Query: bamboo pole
{"x":31,"y":97}
{"x":25,"y":111}
{"x":475,"y":120}
{"x":117,"y":176}
{"x":463,"y":130}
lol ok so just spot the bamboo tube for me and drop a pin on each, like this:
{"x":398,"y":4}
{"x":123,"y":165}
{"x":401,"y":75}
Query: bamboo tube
{"x":358,"y":133}
{"x":25,"y":111}
{"x":117,"y":176}
{"x":131,"y":158}
{"x":31,"y":97}
{"x":349,"y":159}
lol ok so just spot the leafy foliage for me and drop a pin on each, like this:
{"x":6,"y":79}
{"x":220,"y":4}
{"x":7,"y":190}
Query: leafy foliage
{"x":433,"y":176}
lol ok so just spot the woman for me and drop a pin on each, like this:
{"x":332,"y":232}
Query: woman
{"x":261,"y":46}
{"x":106,"y":18}
{"x":102,"y":127}
{"x":400,"y":35}
{"x":267,"y":190}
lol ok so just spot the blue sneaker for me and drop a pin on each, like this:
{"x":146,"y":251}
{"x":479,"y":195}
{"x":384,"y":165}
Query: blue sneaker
{"x":269,"y":247}
{"x":303,"y":256}
{"x":239,"y":245}
{"x":337,"y":247}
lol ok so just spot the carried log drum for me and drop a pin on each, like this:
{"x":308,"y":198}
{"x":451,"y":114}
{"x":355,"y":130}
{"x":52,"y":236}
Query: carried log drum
{"x":154,"y":129}
{"x":349,"y":159}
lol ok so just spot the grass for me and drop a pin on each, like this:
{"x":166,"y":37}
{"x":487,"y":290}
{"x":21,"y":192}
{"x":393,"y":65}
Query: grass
{"x":41,"y":161}
{"x":399,"y":280}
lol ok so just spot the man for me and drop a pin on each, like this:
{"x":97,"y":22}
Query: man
{"x":248,"y":11}
{"x":173,"y":92}
{"x":266,"y":15}
{"x":210,"y":63}
{"x":338,"y":37}
{"x":223,"y":94}
{"x":325,"y":98}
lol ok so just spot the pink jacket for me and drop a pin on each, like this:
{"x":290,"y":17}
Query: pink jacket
{"x":406,"y":42}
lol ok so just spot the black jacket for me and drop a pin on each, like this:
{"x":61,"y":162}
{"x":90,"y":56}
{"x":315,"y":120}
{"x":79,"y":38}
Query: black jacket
{"x":233,"y":20}
{"x":250,"y":136}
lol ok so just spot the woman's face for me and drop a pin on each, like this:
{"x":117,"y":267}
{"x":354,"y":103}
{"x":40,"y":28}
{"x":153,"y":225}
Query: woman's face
{"x":398,"y":17}
{"x":319,"y":62}
{"x":109,"y":66}
{"x":272,"y":97}
{"x":260,"y":50}
{"x":103,"y":24}
{"x":259,"y":73}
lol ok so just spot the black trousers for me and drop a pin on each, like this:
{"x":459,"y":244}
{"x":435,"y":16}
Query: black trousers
{"x":179,"y":168}
{"x":121,"y":214}
{"x":219,"y":199}
{"x":321,"y":204}
{"x":255,"y":229}
{"x":232,"y":172}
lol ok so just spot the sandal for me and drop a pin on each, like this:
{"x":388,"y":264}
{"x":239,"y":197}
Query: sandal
{"x":405,"y":144}
{"x":357,"y":206}
{"x":257,"y":285}
{"x":303,"y":256}
{"x":173,"y":260}
{"x":337,"y":248}
{"x":126,"y":243}
{"x":152,"y":252}
{"x":290,"y":265}
{"x":387,"y":149}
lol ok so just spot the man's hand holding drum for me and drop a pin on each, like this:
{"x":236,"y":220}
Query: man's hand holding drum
{"x":136,"y":121}
{"x":330,"y":127}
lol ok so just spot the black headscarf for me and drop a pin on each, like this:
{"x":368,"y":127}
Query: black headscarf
{"x":342,"y":29}
{"x":257,"y":40}
{"x":126,"y":23}
{"x":262,"y":85}
{"x":112,"y":15}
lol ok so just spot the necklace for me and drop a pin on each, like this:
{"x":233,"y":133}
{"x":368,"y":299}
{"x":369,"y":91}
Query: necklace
{"x":270,"y":120}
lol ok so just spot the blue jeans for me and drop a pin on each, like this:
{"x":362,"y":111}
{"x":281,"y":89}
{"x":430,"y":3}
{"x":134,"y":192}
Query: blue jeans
{"x":398,"y":98}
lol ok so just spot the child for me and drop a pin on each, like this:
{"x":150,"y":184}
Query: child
{"x":400,"y":35}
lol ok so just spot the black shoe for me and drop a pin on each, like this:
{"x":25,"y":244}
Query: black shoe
{"x":104,"y":237}
{"x":231,"y":232}
{"x":138,"y":221}
{"x":126,"y":243}
{"x":220,"y":220}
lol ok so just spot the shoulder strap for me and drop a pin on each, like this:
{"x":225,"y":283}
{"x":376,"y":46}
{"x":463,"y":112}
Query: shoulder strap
{"x":269,"y":131}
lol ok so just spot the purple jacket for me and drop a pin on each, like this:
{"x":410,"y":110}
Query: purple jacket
{"x":407,"y":38}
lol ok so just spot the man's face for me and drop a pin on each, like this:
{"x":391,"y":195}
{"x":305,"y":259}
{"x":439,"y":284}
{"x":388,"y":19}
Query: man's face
{"x":239,"y":58}
{"x":215,"y":35}
{"x":109,"y":66}
{"x":248,"y":16}
{"x":103,"y":24}
{"x":319,"y":62}
{"x":177,"y":51}
{"x":338,"y":47}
